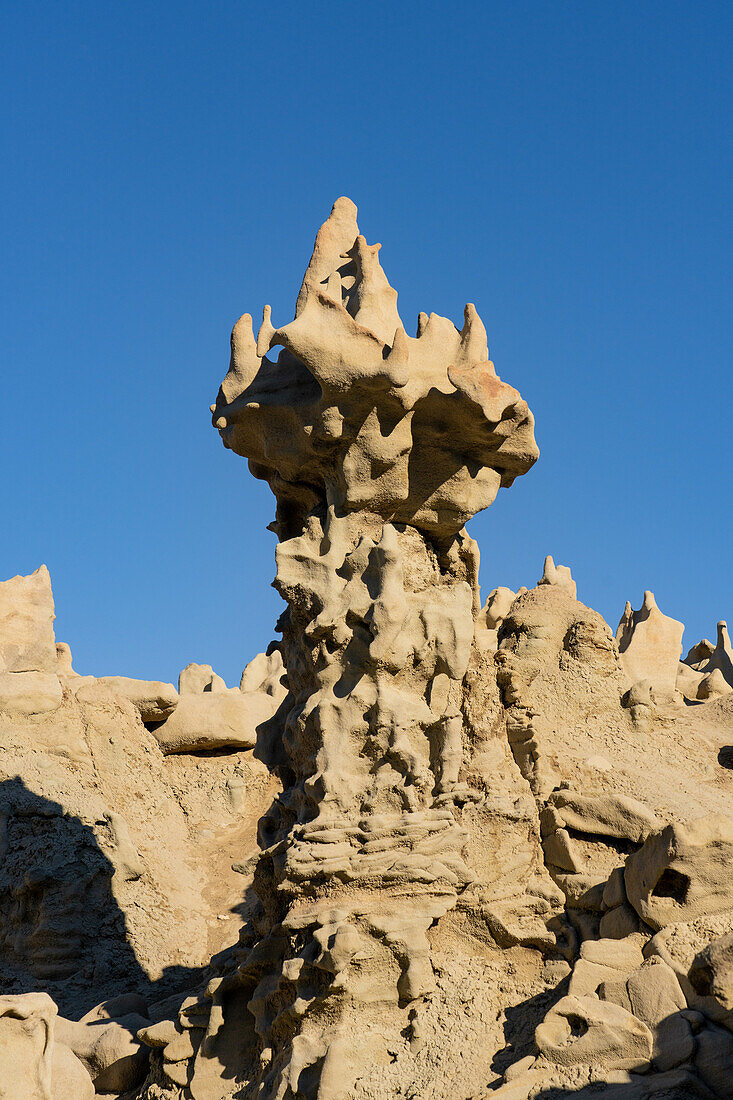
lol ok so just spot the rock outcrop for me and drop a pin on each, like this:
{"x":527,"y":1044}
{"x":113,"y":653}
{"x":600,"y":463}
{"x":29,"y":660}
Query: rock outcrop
{"x":28,"y":659}
{"x":650,"y":644}
{"x":378,"y":448}
{"x":427,"y":849}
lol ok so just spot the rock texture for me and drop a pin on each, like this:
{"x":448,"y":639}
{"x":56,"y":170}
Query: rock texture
{"x":429,"y":849}
{"x":650,"y":644}
{"x":28,"y":660}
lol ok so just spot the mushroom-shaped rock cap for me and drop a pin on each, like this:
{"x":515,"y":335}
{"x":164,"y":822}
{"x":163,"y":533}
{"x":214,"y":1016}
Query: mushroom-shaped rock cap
{"x":357,"y":414}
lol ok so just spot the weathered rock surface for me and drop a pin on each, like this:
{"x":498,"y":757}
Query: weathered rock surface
{"x":26,"y":1046}
{"x":711,"y":973}
{"x":116,"y":860}
{"x":559,"y":575}
{"x":28,"y":664}
{"x":27,"y":642}
{"x":585,"y":1030}
{"x":650,"y":644}
{"x":153,"y":700}
{"x":709,"y":660}
{"x":214,"y":720}
{"x":428,"y":847}
{"x":682,"y":872}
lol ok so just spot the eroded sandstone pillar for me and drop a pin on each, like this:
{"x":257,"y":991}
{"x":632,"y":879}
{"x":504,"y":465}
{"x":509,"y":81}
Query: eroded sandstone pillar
{"x":378,"y":447}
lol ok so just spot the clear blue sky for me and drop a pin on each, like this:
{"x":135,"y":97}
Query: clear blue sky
{"x":565,"y":165}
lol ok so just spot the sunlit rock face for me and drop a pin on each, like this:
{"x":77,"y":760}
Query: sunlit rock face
{"x":477,"y":849}
{"x":357,"y":414}
{"x":378,"y":447}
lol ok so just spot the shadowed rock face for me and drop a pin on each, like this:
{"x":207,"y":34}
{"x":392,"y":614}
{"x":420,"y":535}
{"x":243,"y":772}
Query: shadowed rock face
{"x":358,"y":415}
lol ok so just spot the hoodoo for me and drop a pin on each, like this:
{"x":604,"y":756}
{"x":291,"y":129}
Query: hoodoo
{"x":378,"y":447}
{"x":428,"y":849}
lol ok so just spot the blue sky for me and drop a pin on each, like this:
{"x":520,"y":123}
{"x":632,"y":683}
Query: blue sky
{"x":564,"y":165}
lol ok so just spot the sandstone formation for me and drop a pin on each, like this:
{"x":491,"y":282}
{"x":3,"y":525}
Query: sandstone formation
{"x":28,"y":681}
{"x":559,"y":575}
{"x":430,"y":848}
{"x":650,"y":644}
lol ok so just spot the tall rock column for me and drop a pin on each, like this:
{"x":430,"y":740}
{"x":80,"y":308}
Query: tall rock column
{"x":378,"y":447}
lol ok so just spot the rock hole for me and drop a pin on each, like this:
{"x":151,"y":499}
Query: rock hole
{"x":725,"y":756}
{"x":672,"y":884}
{"x":578,"y":1026}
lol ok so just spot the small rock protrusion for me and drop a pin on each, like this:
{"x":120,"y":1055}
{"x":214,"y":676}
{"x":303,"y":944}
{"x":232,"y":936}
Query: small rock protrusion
{"x":559,"y":575}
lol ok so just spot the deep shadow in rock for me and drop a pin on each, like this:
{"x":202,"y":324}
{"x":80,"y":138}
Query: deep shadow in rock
{"x":725,"y":756}
{"x":62,"y":931}
{"x":520,"y":1021}
{"x":672,"y":1085}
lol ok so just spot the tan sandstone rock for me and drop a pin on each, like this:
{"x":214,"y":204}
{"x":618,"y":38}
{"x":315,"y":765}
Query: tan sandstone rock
{"x":712,"y":685}
{"x":711,"y":973}
{"x":28,"y":662}
{"x":682,"y":872}
{"x":213,"y":721}
{"x":559,"y":575}
{"x":418,"y":822}
{"x":153,"y":700}
{"x":587,"y":1030}
{"x":70,"y":1079}
{"x":112,"y":1056}
{"x":650,"y":644}
{"x":194,"y":679}
{"x":27,"y":642}
{"x":26,"y":1046}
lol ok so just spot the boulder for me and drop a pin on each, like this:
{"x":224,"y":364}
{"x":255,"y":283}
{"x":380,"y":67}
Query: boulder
{"x":614,"y":892}
{"x":561,"y":851}
{"x":714,"y":1060}
{"x":605,"y":814}
{"x":619,"y":922}
{"x":26,"y":1046}
{"x":656,"y":998}
{"x":153,"y":700}
{"x":711,"y":972}
{"x":674,"y":1042}
{"x":654,"y":992}
{"x":27,"y":642}
{"x":70,"y":1080}
{"x":712,"y":685}
{"x":214,"y":721}
{"x":587,"y":1030}
{"x":682,"y":872}
{"x":112,"y":1056}
{"x":603,"y":961}
{"x":195,"y":679}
